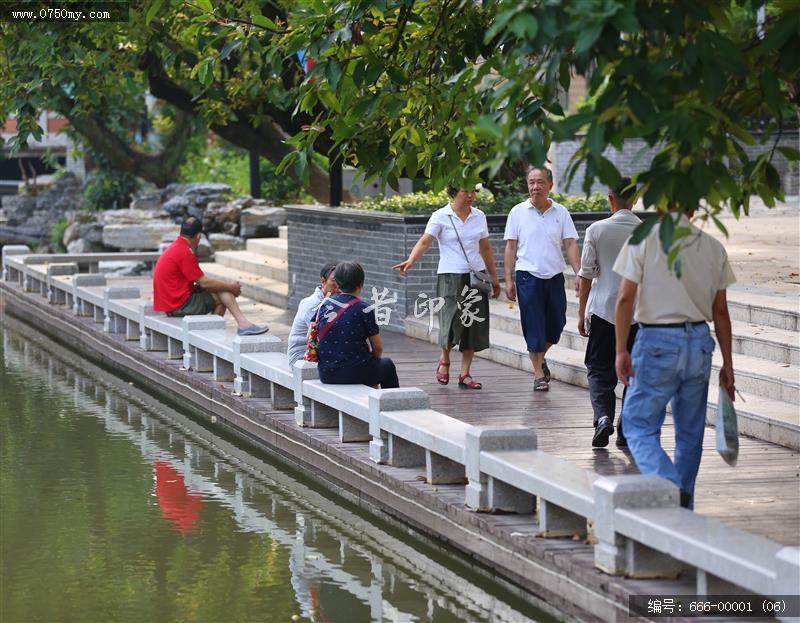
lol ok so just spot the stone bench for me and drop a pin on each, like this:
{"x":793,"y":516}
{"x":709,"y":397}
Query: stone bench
{"x":122,"y":312}
{"x":88,"y":296}
{"x":58,"y":291}
{"x":11,"y":269}
{"x":345,"y":406}
{"x":642,"y":532}
{"x":160,"y":332}
{"x":262,"y":370}
{"x":210,"y":346}
{"x":418,"y":437}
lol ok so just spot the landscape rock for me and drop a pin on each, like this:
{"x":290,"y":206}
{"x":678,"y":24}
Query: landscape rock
{"x":222,"y":217}
{"x":226,"y":242}
{"x":261,"y":222}
{"x":138,"y":236}
{"x":204,"y":251}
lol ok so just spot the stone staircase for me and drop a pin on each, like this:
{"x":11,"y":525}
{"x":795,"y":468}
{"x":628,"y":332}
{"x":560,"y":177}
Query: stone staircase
{"x":262,"y":268}
{"x":766,"y":346}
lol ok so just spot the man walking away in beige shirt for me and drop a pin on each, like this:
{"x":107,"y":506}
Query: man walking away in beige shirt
{"x":601,"y":246}
{"x":671,"y":358}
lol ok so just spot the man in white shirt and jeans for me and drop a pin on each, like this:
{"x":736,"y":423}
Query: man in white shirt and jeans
{"x":671,"y":359}
{"x":601,"y":246}
{"x":535,"y":232}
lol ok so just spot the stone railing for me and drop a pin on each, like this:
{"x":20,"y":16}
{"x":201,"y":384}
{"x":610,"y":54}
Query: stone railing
{"x":639,"y":528}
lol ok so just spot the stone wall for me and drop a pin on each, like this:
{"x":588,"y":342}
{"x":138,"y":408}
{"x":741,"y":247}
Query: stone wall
{"x":637,"y":155}
{"x":377,"y":241}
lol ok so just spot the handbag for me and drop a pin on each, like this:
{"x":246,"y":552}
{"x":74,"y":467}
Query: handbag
{"x":727,"y":428}
{"x":315,"y":335}
{"x":480,"y":280}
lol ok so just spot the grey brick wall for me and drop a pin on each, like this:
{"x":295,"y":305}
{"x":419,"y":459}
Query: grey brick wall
{"x":637,"y":155}
{"x":377,"y":241}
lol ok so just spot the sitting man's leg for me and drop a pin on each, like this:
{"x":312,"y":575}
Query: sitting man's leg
{"x":387,"y":374}
{"x":226,"y":300}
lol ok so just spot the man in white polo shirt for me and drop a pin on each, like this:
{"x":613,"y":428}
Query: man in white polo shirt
{"x":535,"y":232}
{"x":671,"y":358}
{"x":601,"y":246}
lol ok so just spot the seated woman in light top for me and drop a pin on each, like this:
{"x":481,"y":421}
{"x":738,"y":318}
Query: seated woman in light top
{"x":306,"y":311}
{"x":464,"y":314}
{"x":349,"y":347}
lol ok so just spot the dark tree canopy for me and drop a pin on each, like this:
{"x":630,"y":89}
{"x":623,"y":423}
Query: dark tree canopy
{"x":450,"y":90}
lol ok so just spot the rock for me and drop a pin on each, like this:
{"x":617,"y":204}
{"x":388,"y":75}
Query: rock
{"x":130,"y":217}
{"x":222,"y":217}
{"x":139,"y":236}
{"x":206,"y":188}
{"x":86,"y":225}
{"x":204,"y":250}
{"x":196,"y":211}
{"x":177,"y":206}
{"x":261,"y":222}
{"x":148,"y":201}
{"x":224,"y":242}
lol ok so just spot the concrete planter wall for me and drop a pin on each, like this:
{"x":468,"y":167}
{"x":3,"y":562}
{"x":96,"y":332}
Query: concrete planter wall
{"x":378,"y":241}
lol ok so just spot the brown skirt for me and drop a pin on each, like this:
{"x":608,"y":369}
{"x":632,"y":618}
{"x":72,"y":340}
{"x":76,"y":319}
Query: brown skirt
{"x":464,"y":316}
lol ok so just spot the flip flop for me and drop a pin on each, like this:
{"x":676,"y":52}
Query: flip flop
{"x":540,"y":385}
{"x":472,"y":384}
{"x":442,"y":379}
{"x":546,"y":371}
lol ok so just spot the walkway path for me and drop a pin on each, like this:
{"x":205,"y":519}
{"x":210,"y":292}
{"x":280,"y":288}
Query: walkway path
{"x":761,"y":494}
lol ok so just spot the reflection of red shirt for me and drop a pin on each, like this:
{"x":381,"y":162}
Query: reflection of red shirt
{"x":177,"y":504}
{"x":174,"y":276}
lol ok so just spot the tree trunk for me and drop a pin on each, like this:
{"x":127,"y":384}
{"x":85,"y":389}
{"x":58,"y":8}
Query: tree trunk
{"x":267,"y":139}
{"x":160,"y":169}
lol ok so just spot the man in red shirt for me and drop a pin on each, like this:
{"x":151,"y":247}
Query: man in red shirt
{"x":180,"y":288}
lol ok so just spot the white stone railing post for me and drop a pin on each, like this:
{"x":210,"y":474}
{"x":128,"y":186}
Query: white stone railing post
{"x":12,"y":249}
{"x":484,"y":493}
{"x":111,"y":321}
{"x":83,"y":281}
{"x":398,"y":399}
{"x":242,"y":381}
{"x":145,"y":335}
{"x":54,"y":296}
{"x":303,"y":371}
{"x":191,"y":356}
{"x":616,"y":554}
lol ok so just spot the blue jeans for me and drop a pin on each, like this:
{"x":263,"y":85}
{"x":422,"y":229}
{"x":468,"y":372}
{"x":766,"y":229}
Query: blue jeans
{"x":669,"y":364}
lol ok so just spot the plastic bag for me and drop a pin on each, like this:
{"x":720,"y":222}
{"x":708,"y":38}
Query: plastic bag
{"x":727,"y":428}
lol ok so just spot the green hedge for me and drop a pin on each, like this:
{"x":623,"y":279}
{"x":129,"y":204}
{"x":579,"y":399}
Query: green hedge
{"x":427,"y":202}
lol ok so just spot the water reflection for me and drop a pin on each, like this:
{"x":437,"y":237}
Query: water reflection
{"x":224,"y":535}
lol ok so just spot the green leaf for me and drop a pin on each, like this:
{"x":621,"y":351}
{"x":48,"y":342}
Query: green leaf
{"x":263,"y":21}
{"x":666,"y":232}
{"x":333,"y":72}
{"x":525,"y":26}
{"x":790,"y":153}
{"x":643,"y":229}
{"x":230,"y":47}
{"x":205,"y":5}
{"x":151,"y":12}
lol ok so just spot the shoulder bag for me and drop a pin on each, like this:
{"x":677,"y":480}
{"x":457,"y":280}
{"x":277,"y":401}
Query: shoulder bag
{"x":481,"y":280}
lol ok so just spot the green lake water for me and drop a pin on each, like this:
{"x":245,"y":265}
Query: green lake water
{"x":115,"y":507}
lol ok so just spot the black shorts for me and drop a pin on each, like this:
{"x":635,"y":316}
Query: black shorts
{"x":199,"y":303}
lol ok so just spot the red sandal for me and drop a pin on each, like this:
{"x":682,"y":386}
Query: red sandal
{"x":473,"y":384}
{"x":442,"y":379}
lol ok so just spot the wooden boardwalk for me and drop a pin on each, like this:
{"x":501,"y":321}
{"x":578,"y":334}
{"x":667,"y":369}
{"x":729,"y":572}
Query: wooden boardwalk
{"x":761,"y":494}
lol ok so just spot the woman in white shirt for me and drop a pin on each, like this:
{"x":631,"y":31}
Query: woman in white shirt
{"x":463,"y":311}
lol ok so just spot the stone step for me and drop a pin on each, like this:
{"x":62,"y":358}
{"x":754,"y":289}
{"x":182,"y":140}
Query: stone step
{"x":765,"y":377}
{"x":746,"y":303}
{"x":254,"y":263}
{"x":780,"y":346}
{"x":283,"y":232}
{"x":255,"y":287}
{"x":766,"y":418}
{"x":271,"y":247}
